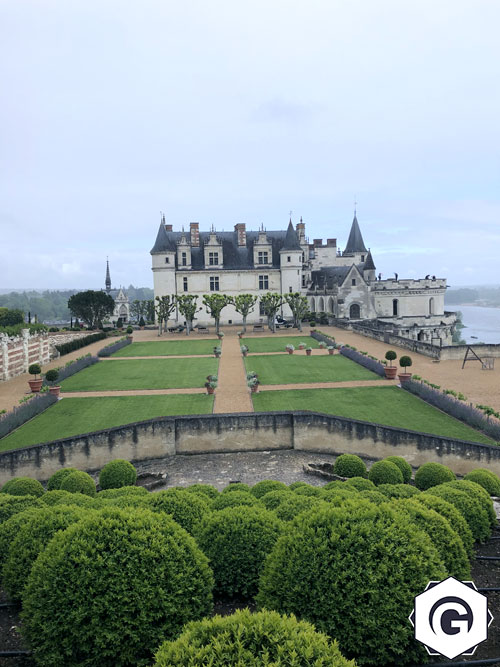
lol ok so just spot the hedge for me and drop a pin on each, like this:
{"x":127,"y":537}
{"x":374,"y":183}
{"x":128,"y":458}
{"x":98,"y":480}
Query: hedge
{"x":363,"y":360}
{"x":475,"y":490}
{"x":398,"y":491}
{"x":267,"y":485}
{"x":79,"y":342}
{"x":203,"y":489}
{"x":60,"y":497}
{"x":373,"y":496}
{"x":10,"y":505}
{"x":117,"y":473}
{"x":123,"y":491}
{"x":23,"y":486}
{"x":274,"y":499}
{"x":24,"y":412}
{"x":9,"y":529}
{"x":360,"y":483}
{"x":470,"y":508}
{"x":432,"y":474}
{"x":114,"y":347}
{"x":295,"y":505}
{"x":237,"y":486}
{"x":73,"y":367}
{"x":349,"y":465}
{"x":487,"y":479}
{"x":234,"y":499}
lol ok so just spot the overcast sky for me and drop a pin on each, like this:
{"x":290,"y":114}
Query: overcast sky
{"x":226,"y":112}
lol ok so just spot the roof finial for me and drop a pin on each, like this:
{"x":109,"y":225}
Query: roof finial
{"x":291,"y":216}
{"x":355,"y":205}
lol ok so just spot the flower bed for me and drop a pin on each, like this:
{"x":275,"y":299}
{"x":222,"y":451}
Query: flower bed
{"x":29,"y":409}
{"x":114,"y":347}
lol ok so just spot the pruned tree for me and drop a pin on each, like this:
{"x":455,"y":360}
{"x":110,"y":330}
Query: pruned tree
{"x":138,"y":309}
{"x":299,"y":307}
{"x":244,"y":304}
{"x":188,"y":307}
{"x":150,"y":310}
{"x":165,"y":306}
{"x":271,"y":302}
{"x":214,"y":303}
{"x":91,"y":306}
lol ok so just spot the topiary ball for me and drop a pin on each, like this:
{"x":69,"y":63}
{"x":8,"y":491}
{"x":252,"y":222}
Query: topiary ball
{"x":188,"y":509}
{"x":10,"y":528}
{"x":360,"y":483}
{"x":203,"y":489}
{"x":10,"y":505}
{"x":470,"y":508}
{"x":432,"y":474}
{"x":123,"y":491}
{"x":79,"y":482}
{"x":403,"y":465}
{"x":55,"y":481}
{"x":254,"y":640}
{"x":116,"y":474}
{"x":237,"y":540}
{"x":274,"y":499}
{"x":295,"y":505}
{"x":266,"y":485}
{"x":349,"y":465}
{"x":478,"y":492}
{"x":110,"y":588}
{"x":452,"y":515}
{"x":296,"y":485}
{"x":309,"y":490}
{"x":234,"y":500}
{"x":385,"y":472}
{"x":237,"y":486}
{"x":373,"y":496}
{"x":353,"y":571}
{"x":398,"y":490}
{"x":487,"y":479}
{"x":60,"y":497}
{"x":23,"y":486}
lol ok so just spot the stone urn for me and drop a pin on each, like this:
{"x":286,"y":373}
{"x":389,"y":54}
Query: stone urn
{"x":390,"y":372}
{"x":55,"y":390}
{"x":35,"y":385}
{"x":404,"y":377}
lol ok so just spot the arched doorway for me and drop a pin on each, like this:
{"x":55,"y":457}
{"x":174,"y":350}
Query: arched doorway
{"x":431,"y":306}
{"x":312,"y":306}
{"x":330,"y":305}
{"x":321,"y":305}
{"x":354,"y":312}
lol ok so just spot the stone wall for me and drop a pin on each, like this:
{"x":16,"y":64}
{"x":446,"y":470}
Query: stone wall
{"x":17,"y":353}
{"x":305,"y":431}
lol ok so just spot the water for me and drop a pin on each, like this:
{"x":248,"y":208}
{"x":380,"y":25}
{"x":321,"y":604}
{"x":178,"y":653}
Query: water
{"x":481,"y":322}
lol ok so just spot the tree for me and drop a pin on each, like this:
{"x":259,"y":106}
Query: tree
{"x":91,"y":306}
{"x":138,"y":309}
{"x":9,"y":318}
{"x":244,"y":304}
{"x":214,"y":303}
{"x":271,"y":303}
{"x":165,"y":306}
{"x":150,"y":310}
{"x":299,"y":307}
{"x":186,"y":303}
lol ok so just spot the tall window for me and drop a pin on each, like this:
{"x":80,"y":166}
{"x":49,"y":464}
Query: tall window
{"x":288,"y":259}
{"x":167,"y":260}
{"x":184,"y":259}
{"x":263,"y":257}
{"x":395,"y":307}
{"x":362,"y":258}
{"x":304,"y":280}
{"x":185,"y":284}
{"x":262,"y":310}
{"x":213,"y":258}
{"x":263,"y":282}
{"x":214,"y":283}
{"x":353,"y":282}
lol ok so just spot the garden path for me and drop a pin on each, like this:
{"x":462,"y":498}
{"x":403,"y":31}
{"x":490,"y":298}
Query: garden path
{"x":232,"y":393}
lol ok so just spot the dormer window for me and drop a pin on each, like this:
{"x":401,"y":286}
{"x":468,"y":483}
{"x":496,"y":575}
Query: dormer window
{"x":362,"y":258}
{"x":263,"y":257}
{"x":353,"y":282}
{"x":213,"y":258}
{"x":184,"y":259}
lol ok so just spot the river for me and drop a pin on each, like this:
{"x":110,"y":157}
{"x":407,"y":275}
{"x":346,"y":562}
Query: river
{"x":482,"y":324}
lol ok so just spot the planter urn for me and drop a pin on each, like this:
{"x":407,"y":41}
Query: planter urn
{"x":245,"y":353}
{"x":331,"y":351}
{"x":210,"y":390}
{"x":308,"y":352}
{"x":35,"y":385}
{"x":390,"y":372}
{"x":404,"y":377}
{"x":254,"y":388}
{"x":290,"y":351}
{"x":55,"y":391}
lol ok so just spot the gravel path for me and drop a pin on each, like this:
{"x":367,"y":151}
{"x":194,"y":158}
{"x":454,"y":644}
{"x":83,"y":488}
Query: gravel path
{"x":232,"y":393}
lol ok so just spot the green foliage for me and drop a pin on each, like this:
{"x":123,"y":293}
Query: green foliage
{"x":57,"y":478}
{"x":432,"y":474}
{"x":360,"y":483}
{"x":130,"y":329}
{"x":214,"y":304}
{"x":353,"y":571}
{"x":403,"y":465}
{"x":79,"y":482}
{"x":52,"y":375}
{"x":237,"y":540}
{"x":204,"y":489}
{"x":271,"y":302}
{"x":309,"y":490}
{"x":23,"y":486}
{"x":34,"y":369}
{"x":187,"y":509}
{"x":476,"y":491}
{"x":123,"y":491}
{"x":298,"y":305}
{"x":10,"y":505}
{"x":91,"y":306}
{"x":470,"y":508}
{"x":263,"y":639}
{"x":266,"y":485}
{"x":60,"y":497}
{"x":273,"y":499}
{"x":385,"y":472}
{"x":187,"y":305}
{"x":373,"y":496}
{"x":9,"y":318}
{"x":390,"y":355}
{"x":296,"y":485}
{"x":77,"y":343}
{"x":117,"y":473}
{"x":142,"y":323}
{"x":110,"y":588}
{"x":237,"y":486}
{"x":349,"y":465}
{"x":398,"y":491}
{"x":234,"y":499}
{"x":453,"y":516}
{"x":244,"y":304}
{"x":10,"y":528}
{"x":343,"y":487}
{"x":405,"y":362}
{"x":487,"y":479}
{"x":164,"y":308}
{"x":294,"y":505}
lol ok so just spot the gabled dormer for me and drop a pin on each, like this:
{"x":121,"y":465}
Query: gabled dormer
{"x":213,"y":254}
{"x":183,"y":253}
{"x":262,"y":250}
{"x":354,"y":279}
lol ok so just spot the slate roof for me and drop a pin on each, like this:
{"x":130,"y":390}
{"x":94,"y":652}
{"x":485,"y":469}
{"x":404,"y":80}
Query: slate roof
{"x":329,"y":276}
{"x":369,"y":264}
{"x":355,"y":241}
{"x":291,"y":239}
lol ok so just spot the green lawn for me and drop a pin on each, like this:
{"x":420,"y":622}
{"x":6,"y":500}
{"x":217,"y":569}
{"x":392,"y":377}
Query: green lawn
{"x":142,"y":374}
{"x":168,"y":347}
{"x":73,"y":416}
{"x":294,"y":369}
{"x":278,"y":343}
{"x":383,"y":405}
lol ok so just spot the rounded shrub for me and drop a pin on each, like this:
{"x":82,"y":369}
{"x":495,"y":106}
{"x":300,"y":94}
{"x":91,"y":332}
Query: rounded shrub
{"x":60,"y":497}
{"x":295,"y":505}
{"x":432,"y":474}
{"x":10,"y":528}
{"x":203,"y":489}
{"x":310,"y":573}
{"x":237,"y":541}
{"x":108,"y":589}
{"x":373,"y":496}
{"x":452,"y":515}
{"x":123,"y":491}
{"x":116,"y":474}
{"x":55,"y":481}
{"x":349,"y":465}
{"x":470,"y":508}
{"x":127,"y":500}
{"x":360,"y":483}
{"x":309,"y":490}
{"x":385,"y":472}
{"x":398,"y":490}
{"x":237,"y":486}
{"x":296,"y":485}
{"x":10,"y":505}
{"x":338,"y":497}
{"x":188,"y":509}
{"x":403,"y":465}
{"x":477,"y":491}
{"x":274,"y":499}
{"x":23,"y":486}
{"x":254,"y":640}
{"x":234,"y":500}
{"x":79,"y":482}
{"x":266,"y":485}
{"x":487,"y":479}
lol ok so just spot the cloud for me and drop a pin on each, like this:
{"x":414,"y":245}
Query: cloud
{"x":279,"y":110}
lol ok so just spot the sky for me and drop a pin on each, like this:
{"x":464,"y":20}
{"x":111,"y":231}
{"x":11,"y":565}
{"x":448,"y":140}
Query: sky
{"x":223,"y":112}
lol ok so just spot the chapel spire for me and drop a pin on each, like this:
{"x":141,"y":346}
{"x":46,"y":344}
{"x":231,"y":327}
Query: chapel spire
{"x":108,"y":277}
{"x":355,"y":241}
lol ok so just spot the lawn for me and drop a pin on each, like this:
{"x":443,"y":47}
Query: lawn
{"x":142,"y":374}
{"x":168,"y":347}
{"x":390,"y":406}
{"x":294,"y":369}
{"x":73,"y":416}
{"x":278,"y":344}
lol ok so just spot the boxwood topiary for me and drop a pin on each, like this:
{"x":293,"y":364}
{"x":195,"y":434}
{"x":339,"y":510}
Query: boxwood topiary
{"x":254,"y":640}
{"x":237,"y":540}
{"x":116,"y":474}
{"x":349,"y":465}
{"x":60,"y":497}
{"x":266,"y":485}
{"x":398,"y":490}
{"x":470,"y":508}
{"x":309,"y":490}
{"x":373,"y":496}
{"x":385,"y":472}
{"x":123,"y":491}
{"x":274,"y":499}
{"x":295,"y":505}
{"x":10,"y":528}
{"x":55,"y":481}
{"x":234,"y":500}
{"x":296,"y":485}
{"x":79,"y":482}
{"x":110,"y":588}
{"x":432,"y":474}
{"x":354,"y":573}
{"x":403,"y":465}
{"x":188,"y":509}
{"x":10,"y":505}
{"x":23,"y":486}
{"x":203,"y":489}
{"x":452,"y":515}
{"x":487,"y":479}
{"x":237,"y":486}
{"x":360,"y":483}
{"x":477,"y":491}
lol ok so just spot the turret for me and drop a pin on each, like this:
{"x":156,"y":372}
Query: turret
{"x":369,"y":268}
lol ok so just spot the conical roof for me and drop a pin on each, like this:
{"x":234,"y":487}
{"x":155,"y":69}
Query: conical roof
{"x":369,"y":264}
{"x":108,"y":277}
{"x":291,"y":239}
{"x":355,"y":241}
{"x":164,"y":241}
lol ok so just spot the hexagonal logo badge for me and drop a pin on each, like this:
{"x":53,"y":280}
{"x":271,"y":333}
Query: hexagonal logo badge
{"x":451,"y":618}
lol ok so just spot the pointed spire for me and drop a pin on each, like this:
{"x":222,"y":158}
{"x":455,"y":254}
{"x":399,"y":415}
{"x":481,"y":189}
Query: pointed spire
{"x":291,"y":239}
{"x":369,"y":265}
{"x":108,"y":277}
{"x":355,"y":241}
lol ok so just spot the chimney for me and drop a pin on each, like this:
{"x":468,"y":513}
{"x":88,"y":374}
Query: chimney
{"x":301,"y":230}
{"x":331,"y":242}
{"x":318,"y":242}
{"x":242,"y":235}
{"x":169,"y":228}
{"x":195,"y":233}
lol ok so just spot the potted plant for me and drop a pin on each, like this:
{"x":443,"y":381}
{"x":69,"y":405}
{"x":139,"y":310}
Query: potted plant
{"x":251,"y":375}
{"x":253,"y":383}
{"x":390,"y":370}
{"x":52,"y":376}
{"x":289,"y":348}
{"x":36,"y":383}
{"x":211,"y":386}
{"x":220,"y":335}
{"x":302,"y":346}
{"x":240,"y":334}
{"x":142,"y":323}
{"x":130,"y":331}
{"x":309,"y":351}
{"x":312,"y":324}
{"x":405,"y":362}
{"x":217,"y":351}
{"x":212,"y":378}
{"x":322,"y":345}
{"x":331,"y":349}
{"x":244,"y":350}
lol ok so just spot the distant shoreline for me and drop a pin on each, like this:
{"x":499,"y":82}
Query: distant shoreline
{"x":475,"y":305}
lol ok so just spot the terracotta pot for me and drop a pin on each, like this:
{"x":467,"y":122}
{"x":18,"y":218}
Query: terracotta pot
{"x":308,"y":352}
{"x":55,"y":391}
{"x":302,"y":347}
{"x":404,"y":377}
{"x":35,"y":385}
{"x":244,"y":354}
{"x":254,"y":388}
{"x":210,"y":390}
{"x":331,"y":351}
{"x":240,"y":336}
{"x":216,"y":355}
{"x":141,"y":328}
{"x":390,"y":372}
{"x":290,"y":351}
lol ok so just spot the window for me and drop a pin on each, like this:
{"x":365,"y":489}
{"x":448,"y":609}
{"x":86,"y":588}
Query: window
{"x":353,"y":282}
{"x":362,"y":258}
{"x":185,"y":284}
{"x":263,"y":282}
{"x":213,"y":258}
{"x":288,"y":259}
{"x":262,"y":310}
{"x":290,"y":289}
{"x":184,"y":259}
{"x":263,"y":257}
{"x":303,"y":258}
{"x":214,"y":283}
{"x":395,"y":307}
{"x":167,"y":260}
{"x":304,"y":280}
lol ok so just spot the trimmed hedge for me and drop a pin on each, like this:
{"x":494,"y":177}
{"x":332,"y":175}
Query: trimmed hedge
{"x":477,"y":491}
{"x":487,"y":479}
{"x":10,"y":505}
{"x":344,"y":487}
{"x":452,"y":515}
{"x":234,"y":499}
{"x":24,"y":412}
{"x":79,"y":482}
{"x":274,"y":499}
{"x":55,"y":481}
{"x":110,"y":588}
{"x":266,"y":485}
{"x":23,"y":486}
{"x":237,"y":541}
{"x":363,"y":360}
{"x":60,"y":497}
{"x":470,"y":508}
{"x":309,"y":490}
{"x":77,"y":343}
{"x":113,"y":347}
{"x":373,"y":496}
{"x":403,"y":465}
{"x":253,"y":640}
{"x":296,"y":485}
{"x":10,"y":528}
{"x":73,"y":367}
{"x":385,"y":472}
{"x":432,"y":474}
{"x":398,"y":491}
{"x":349,"y":465}
{"x":187,"y":509}
{"x":116,"y":474}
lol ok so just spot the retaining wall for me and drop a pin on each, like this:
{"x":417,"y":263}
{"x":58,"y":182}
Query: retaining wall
{"x":17,"y":353}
